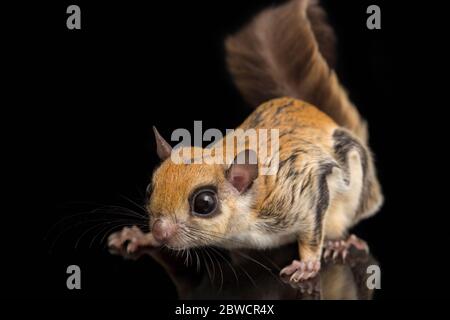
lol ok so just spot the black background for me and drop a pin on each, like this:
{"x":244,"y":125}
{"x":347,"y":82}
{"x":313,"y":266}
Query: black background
{"x":79,"y":105}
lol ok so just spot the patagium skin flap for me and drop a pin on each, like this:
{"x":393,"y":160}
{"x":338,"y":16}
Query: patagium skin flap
{"x":326,"y":180}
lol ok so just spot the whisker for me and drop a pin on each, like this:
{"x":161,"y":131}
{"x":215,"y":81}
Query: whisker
{"x":141,"y":207}
{"x":220,"y":269}
{"x":216,"y":235}
{"x":198,"y":260}
{"x":90,"y":213}
{"x":93,"y":213}
{"x":250,"y":278}
{"x":229,"y":264}
{"x":254,"y":260}
{"x":125,"y":223}
{"x":66,"y":229}
{"x":214,"y":268}
{"x":258,"y":263}
{"x":80,"y":223}
{"x":207,"y":268}
{"x":107,"y":231}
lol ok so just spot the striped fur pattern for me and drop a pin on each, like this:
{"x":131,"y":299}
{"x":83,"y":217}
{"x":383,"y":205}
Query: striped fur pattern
{"x":326,"y":180}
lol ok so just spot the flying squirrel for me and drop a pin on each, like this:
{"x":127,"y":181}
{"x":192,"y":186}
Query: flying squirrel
{"x":326,"y":181}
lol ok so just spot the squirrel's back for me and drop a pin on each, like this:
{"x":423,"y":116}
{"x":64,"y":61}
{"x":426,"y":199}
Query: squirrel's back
{"x":289,"y":51}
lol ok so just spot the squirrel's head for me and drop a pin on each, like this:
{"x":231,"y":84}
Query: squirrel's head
{"x":198,"y":204}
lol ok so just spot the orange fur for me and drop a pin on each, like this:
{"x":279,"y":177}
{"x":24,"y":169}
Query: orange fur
{"x":326,"y":181}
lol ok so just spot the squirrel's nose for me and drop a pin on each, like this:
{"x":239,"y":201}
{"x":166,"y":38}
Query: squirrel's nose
{"x":162,"y":230}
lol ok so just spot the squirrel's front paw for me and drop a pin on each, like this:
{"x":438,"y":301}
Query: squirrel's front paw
{"x":131,"y":242}
{"x":301,"y":270}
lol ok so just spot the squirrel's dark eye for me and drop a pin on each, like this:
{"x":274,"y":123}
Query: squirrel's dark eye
{"x":204,"y":202}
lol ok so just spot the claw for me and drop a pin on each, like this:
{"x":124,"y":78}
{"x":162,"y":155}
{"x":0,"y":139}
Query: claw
{"x":299,"y":270}
{"x":335,"y":254}
{"x":129,"y":241}
{"x":341,"y":248}
{"x":295,"y":265}
{"x":344,"y":254}
{"x":296,"y":278}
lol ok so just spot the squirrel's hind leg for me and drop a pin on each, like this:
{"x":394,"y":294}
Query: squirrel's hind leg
{"x":334,"y":249}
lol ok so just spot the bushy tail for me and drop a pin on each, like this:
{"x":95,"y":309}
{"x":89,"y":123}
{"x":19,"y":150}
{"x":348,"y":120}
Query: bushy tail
{"x":289,"y":51}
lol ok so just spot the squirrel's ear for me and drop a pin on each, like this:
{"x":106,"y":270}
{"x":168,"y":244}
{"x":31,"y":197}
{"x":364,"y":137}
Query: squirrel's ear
{"x":163,"y":149}
{"x":243,"y":170}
